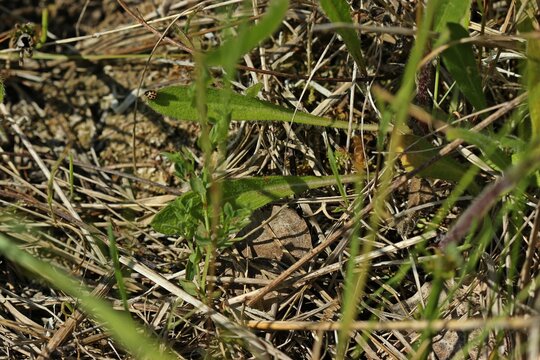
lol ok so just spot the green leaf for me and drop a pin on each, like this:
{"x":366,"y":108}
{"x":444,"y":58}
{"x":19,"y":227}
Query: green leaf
{"x":247,"y":194}
{"x":460,"y":62}
{"x":190,"y":287}
{"x":252,"y":193}
{"x":177,"y":102}
{"x":181,"y":216}
{"x":184,"y":163}
{"x":249,"y":37}
{"x":338,"y":12}
{"x":489,"y":146}
{"x":451,"y":11}
{"x":254,"y":89}
{"x":513,"y":145}
{"x":123,"y":329}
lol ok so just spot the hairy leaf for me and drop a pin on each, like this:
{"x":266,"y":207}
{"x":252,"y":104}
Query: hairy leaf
{"x":177,"y":102}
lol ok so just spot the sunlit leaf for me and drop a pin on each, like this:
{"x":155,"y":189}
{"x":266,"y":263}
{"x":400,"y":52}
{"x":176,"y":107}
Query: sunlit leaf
{"x":177,"y":102}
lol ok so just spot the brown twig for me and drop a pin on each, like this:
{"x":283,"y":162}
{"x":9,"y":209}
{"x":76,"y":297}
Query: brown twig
{"x":435,"y":325}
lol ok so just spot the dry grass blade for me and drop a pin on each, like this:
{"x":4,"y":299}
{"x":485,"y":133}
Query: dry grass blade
{"x":517,"y":323}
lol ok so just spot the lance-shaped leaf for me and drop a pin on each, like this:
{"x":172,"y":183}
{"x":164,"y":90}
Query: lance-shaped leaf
{"x":177,"y":102}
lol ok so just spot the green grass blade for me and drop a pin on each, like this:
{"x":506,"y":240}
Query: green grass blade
{"x":338,"y":12}
{"x":122,"y":328}
{"x":460,"y":62}
{"x":177,"y":102}
{"x":248,"y":194}
{"x":399,"y":109}
{"x":528,"y":22}
{"x":249,"y":36}
{"x":44,"y":24}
